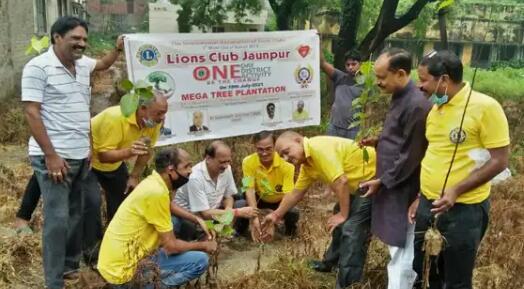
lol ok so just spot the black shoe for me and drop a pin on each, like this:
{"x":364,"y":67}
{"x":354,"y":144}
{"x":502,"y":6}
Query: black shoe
{"x":320,"y":266}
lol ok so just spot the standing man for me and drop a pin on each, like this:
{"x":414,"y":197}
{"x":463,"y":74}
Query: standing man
{"x":56,"y":96}
{"x":211,"y":186}
{"x":117,"y":138}
{"x":143,"y":224}
{"x":345,"y":91}
{"x":269,"y":178}
{"x":463,"y":209}
{"x":400,"y":150}
{"x":340,"y":163}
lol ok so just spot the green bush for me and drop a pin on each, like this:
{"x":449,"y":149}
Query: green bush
{"x":502,"y":84}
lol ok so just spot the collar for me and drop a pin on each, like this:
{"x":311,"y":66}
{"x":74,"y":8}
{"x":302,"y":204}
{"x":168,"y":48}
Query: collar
{"x":307,"y":150}
{"x":55,"y":61}
{"x":460,"y":97}
{"x":277,"y":160}
{"x":404,"y":90}
{"x":132,"y":119}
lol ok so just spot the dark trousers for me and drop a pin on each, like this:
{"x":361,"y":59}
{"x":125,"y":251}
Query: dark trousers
{"x":463,"y":227}
{"x":350,"y":242}
{"x":114,"y":184}
{"x":290,"y":218}
{"x":29,"y":200}
{"x":186,"y":230}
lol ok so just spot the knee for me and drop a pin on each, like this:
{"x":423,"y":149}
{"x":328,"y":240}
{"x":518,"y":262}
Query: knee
{"x":201,"y":261}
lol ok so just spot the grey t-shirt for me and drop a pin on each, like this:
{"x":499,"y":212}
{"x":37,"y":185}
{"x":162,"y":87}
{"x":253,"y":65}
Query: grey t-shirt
{"x":345,"y":91}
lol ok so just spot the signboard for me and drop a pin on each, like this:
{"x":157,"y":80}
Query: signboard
{"x":228,"y":84}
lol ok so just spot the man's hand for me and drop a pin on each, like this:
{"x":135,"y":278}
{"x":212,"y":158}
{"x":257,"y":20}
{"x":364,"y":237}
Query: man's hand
{"x":247,"y":212}
{"x":210,"y":246}
{"x":445,"y":203}
{"x":254,"y":227}
{"x":412,"y":211}
{"x":334,"y":221}
{"x":268,"y":226}
{"x":368,"y":142}
{"x":120,"y":43}
{"x":202,"y":224}
{"x":56,"y":167}
{"x":139,"y":148}
{"x":132,"y":182}
{"x":370,"y":187}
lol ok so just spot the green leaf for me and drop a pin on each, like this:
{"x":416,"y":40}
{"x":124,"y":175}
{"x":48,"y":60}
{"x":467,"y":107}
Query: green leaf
{"x":146,"y":94}
{"x":209,"y":224}
{"x":266,"y":186}
{"x":354,"y":124}
{"x":218,"y":228}
{"x":227,"y":231}
{"x":365,"y":155}
{"x":142,"y":84}
{"x":359,"y":115}
{"x":128,"y":104}
{"x":226,"y":218}
{"x":126,"y":85}
{"x":443,"y":4}
{"x":29,"y":50}
{"x":355,"y":102}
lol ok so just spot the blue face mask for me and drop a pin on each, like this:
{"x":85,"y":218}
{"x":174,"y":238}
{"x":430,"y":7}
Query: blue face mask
{"x":439,"y":100}
{"x":149,"y":123}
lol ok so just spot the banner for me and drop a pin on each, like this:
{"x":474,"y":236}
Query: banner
{"x":228,"y":84}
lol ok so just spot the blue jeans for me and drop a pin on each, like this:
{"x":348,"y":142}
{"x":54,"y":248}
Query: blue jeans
{"x":63,"y":208}
{"x":342,"y":132}
{"x":177,"y":269}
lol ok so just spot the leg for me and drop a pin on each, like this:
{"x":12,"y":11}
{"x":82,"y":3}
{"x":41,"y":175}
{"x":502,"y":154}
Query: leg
{"x":92,"y":219}
{"x":184,"y":229}
{"x":181,"y":268}
{"x":400,"y":267}
{"x":114,"y":184}
{"x":332,"y":253}
{"x":291,"y":220}
{"x":29,"y":202}
{"x":241,"y":224}
{"x":354,"y":243}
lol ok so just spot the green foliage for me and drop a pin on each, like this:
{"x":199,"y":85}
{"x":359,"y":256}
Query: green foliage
{"x":37,"y":46}
{"x":100,"y":43}
{"x":140,"y":91}
{"x":516,"y":64}
{"x":222,"y":224}
{"x":443,"y":4}
{"x":502,"y":84}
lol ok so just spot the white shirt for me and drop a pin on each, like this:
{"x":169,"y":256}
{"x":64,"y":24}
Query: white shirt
{"x":64,"y":100}
{"x":201,"y":193}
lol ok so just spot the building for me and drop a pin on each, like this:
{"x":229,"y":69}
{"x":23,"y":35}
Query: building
{"x":20,"y":20}
{"x":117,"y":16}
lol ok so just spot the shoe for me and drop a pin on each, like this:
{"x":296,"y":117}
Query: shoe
{"x":72,"y":275}
{"x":320,"y":266}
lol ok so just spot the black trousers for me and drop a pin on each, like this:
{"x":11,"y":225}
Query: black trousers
{"x":290,"y":218}
{"x":463,"y":227}
{"x":29,"y":200}
{"x":114,"y":184}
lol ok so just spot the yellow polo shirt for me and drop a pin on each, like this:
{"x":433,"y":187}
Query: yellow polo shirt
{"x":134,"y":230}
{"x":485,"y":126}
{"x":300,"y":115}
{"x":271,"y":184}
{"x":111,"y":130}
{"x":328,"y":158}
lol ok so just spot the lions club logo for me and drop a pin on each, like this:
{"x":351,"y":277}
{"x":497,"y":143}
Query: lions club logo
{"x":148,"y":55}
{"x":304,"y":75}
{"x":457,"y":136}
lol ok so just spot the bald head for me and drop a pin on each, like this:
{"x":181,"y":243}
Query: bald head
{"x":290,"y":146}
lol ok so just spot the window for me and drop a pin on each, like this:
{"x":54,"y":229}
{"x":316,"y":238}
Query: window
{"x":481,"y":55}
{"x":41,"y":17}
{"x":218,"y":29}
{"x":507,"y":52}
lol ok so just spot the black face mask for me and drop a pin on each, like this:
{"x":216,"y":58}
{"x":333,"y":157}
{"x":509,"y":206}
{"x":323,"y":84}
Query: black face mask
{"x":179,"y":182}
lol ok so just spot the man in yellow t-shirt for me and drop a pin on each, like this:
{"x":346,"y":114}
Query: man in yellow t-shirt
{"x":340,"y":163}
{"x":464,"y":205}
{"x":117,"y":138}
{"x":142,"y":225}
{"x":300,"y":114}
{"x":267,"y":178}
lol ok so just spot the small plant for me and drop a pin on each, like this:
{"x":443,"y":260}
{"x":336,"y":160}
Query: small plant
{"x":37,"y":46}
{"x":222,"y":227}
{"x":136,"y":92}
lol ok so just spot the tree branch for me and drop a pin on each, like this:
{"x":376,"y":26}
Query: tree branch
{"x":409,"y":16}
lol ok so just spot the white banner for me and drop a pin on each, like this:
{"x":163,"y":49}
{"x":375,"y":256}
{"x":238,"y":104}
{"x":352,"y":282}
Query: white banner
{"x":229,"y":84}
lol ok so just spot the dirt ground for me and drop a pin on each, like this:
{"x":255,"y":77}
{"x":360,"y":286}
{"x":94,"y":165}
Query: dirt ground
{"x":283,"y":263}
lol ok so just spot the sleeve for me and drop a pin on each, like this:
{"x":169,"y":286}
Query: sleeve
{"x":288,"y":176}
{"x":412,"y":149}
{"x":494,"y":129}
{"x":337,"y":76}
{"x":197,"y":196}
{"x":34,"y":79}
{"x":107,"y":137}
{"x":305,"y":178}
{"x":90,"y":62}
{"x":231,"y":186}
{"x":158,"y":213}
{"x":248,"y":174}
{"x":329,"y":163}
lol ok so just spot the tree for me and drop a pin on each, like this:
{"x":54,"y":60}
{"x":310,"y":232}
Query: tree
{"x":442,"y":10}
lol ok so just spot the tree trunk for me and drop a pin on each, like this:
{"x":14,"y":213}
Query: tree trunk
{"x":347,"y":36}
{"x":442,"y":27}
{"x":282,"y":12}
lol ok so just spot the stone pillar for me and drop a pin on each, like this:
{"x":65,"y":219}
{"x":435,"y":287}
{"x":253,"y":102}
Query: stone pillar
{"x":467,"y":53}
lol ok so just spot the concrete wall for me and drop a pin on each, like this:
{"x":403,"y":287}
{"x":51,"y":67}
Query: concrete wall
{"x":16,"y":29}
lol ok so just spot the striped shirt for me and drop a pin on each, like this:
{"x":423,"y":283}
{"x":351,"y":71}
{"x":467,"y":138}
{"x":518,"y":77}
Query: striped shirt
{"x":64,"y":102}
{"x":201,"y":193}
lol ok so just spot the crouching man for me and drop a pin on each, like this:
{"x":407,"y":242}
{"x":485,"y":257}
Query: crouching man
{"x":142,"y":226}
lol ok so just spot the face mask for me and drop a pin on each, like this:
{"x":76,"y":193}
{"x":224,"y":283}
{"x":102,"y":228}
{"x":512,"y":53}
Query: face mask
{"x":149,"y":123}
{"x":439,"y":100}
{"x":179,"y":182}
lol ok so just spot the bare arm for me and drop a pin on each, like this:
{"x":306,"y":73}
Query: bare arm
{"x":140,"y":164}
{"x":228,"y":202}
{"x":341,"y":189}
{"x":172,"y":245}
{"x":289,"y":201}
{"x":114,"y":156}
{"x":37,"y":128}
{"x":326,"y":66}
{"x":107,"y":60}
{"x":183,"y":213}
{"x":251,"y":198}
{"x":208,"y":214}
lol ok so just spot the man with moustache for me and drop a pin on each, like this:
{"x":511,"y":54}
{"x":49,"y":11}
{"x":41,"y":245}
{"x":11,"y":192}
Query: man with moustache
{"x":400,"y":149}
{"x":56,"y":96}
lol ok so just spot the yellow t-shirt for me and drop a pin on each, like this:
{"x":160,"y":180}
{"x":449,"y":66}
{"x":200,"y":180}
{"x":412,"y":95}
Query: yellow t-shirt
{"x":300,"y":115}
{"x":111,"y":131}
{"x":134,"y":230}
{"x":485,"y":126}
{"x":270,"y":183}
{"x":328,"y":158}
